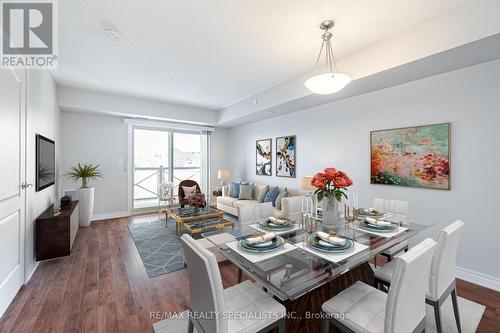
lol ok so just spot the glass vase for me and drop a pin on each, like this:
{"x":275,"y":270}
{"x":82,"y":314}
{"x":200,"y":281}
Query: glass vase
{"x":330,"y":214}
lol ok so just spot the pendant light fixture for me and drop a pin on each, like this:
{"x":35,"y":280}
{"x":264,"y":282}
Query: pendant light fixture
{"x":330,"y":81}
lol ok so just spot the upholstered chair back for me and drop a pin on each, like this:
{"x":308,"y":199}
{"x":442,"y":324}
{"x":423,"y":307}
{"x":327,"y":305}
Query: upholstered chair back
{"x":443,"y":261}
{"x":378,"y":204}
{"x":405,"y":307}
{"x":186,"y":183}
{"x":205,"y":286}
{"x":248,"y":213}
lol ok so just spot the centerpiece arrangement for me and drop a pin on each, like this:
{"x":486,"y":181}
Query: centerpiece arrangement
{"x":196,"y":200}
{"x":330,"y":187}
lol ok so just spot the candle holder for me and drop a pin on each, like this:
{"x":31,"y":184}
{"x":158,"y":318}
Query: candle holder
{"x":350,"y":215}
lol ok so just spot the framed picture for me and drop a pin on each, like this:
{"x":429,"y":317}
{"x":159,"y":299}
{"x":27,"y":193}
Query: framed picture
{"x":412,"y":156}
{"x":263,"y":154}
{"x":286,"y":156}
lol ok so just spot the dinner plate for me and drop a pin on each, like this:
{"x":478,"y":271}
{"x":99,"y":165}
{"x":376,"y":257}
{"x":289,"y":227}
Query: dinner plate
{"x":268,"y":225}
{"x":364,"y":212}
{"x":317,"y":243}
{"x":372,"y":227}
{"x":268,"y":246}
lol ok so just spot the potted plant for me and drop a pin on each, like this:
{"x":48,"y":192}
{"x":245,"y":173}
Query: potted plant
{"x":86,"y":193}
{"x":330,"y":186}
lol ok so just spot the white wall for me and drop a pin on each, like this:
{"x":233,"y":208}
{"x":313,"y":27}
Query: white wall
{"x":43,"y":117}
{"x":337,"y":134}
{"x":98,"y":139}
{"x":101,"y":139}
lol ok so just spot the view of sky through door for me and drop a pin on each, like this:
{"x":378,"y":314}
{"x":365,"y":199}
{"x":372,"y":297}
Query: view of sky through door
{"x":152,"y":165}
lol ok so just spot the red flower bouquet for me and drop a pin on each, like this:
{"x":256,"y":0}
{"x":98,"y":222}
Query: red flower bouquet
{"x":196,"y":200}
{"x":331,"y":183}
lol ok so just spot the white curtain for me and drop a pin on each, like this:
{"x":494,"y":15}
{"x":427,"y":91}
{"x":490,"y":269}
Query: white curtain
{"x":205,"y":164}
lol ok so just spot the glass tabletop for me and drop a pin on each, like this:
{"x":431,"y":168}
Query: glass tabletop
{"x":293,"y":273}
{"x":193,"y":212}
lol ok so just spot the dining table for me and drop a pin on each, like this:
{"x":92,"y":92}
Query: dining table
{"x":303,"y":278}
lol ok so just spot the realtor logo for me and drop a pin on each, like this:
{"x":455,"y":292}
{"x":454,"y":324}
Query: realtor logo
{"x":29,"y":37}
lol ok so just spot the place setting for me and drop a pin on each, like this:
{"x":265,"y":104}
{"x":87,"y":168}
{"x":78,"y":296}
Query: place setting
{"x":260,"y":246}
{"x":331,"y":246}
{"x":279,"y":226}
{"x":378,"y":226}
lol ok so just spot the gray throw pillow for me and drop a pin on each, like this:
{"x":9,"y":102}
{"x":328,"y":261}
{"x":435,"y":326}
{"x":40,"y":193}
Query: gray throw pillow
{"x":262,"y":194}
{"x":246,"y":191}
{"x":283,"y":194}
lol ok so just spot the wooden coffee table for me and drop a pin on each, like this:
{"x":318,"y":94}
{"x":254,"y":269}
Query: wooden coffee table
{"x":197,"y":221}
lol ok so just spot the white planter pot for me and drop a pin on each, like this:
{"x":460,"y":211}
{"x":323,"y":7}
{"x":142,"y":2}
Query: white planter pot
{"x":86,"y":205}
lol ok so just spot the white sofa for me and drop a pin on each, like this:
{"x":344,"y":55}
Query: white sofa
{"x":290,"y":206}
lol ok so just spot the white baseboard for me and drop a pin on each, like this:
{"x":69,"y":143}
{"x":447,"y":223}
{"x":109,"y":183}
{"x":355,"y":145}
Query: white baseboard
{"x":32,"y":271}
{"x":481,"y":279}
{"x":113,"y":215}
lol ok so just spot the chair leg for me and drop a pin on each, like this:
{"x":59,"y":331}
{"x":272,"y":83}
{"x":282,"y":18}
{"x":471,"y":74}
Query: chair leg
{"x":437,"y":315}
{"x":326,"y":325}
{"x":190,"y":326}
{"x":282,"y":325}
{"x":455,"y":309}
{"x":240,"y":275}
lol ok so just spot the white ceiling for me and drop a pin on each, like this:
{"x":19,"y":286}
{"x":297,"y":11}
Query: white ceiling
{"x":212,"y":53}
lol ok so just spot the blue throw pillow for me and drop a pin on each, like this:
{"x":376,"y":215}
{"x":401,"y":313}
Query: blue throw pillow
{"x":272,"y":194}
{"x":235,"y":190}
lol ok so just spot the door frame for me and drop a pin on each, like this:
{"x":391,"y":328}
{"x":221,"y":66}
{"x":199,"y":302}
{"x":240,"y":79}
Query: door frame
{"x":19,"y":205}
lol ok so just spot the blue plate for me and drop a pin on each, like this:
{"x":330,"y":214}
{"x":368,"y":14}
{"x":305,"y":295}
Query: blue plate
{"x":364,"y":212}
{"x":372,"y":227}
{"x":320,"y":245}
{"x":268,"y":225}
{"x":269,"y":246}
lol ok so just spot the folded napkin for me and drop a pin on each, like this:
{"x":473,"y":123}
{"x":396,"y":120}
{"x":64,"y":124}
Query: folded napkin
{"x":277,"y":221}
{"x":330,"y":239}
{"x":261,"y":239}
{"x":380,"y":223}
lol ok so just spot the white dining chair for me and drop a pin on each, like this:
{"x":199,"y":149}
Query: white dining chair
{"x":442,"y":275}
{"x":398,"y":210}
{"x":363,"y":308}
{"x":216,"y":310}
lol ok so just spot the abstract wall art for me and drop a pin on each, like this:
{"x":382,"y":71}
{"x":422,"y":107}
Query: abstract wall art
{"x":412,"y":156}
{"x":263,"y":157}
{"x":285,"y":156}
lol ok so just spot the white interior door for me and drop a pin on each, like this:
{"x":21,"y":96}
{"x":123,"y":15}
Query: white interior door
{"x":12,"y":194}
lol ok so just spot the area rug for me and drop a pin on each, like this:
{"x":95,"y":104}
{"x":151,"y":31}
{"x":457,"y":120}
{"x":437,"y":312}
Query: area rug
{"x":470,"y":315}
{"x":159,"y":247}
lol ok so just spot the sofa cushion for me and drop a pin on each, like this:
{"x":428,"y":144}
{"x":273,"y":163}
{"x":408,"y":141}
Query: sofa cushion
{"x":246,"y":192}
{"x":281,"y":195}
{"x":262,"y":194}
{"x":234,"y":191}
{"x":257,"y":189}
{"x":272,"y":194}
{"x":293,"y":192}
{"x":239,"y":203}
{"x":228,"y":201}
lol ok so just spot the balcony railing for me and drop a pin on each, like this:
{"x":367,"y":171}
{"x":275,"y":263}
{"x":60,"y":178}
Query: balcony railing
{"x":148,"y":180}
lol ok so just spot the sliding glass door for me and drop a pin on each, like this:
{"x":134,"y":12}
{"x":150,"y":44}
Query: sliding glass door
{"x":163,"y":156}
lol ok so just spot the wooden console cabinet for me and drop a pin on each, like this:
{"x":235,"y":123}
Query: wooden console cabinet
{"x":55,"y":234}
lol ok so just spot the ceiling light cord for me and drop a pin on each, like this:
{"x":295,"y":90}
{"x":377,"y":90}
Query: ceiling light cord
{"x":329,"y":57}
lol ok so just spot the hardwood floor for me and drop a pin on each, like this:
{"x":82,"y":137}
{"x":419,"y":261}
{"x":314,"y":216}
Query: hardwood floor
{"x":103,"y":287}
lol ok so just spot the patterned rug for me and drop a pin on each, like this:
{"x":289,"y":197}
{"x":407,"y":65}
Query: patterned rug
{"x":159,"y":246}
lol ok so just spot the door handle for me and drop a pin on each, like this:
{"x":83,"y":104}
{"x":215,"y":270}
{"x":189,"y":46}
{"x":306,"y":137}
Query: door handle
{"x":25,"y":185}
